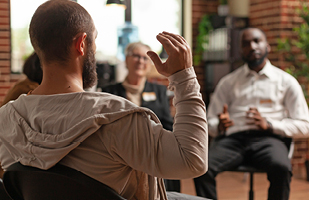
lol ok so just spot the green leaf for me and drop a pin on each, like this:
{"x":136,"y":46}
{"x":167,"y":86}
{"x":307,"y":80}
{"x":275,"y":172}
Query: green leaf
{"x":297,"y":68}
{"x":202,"y":39}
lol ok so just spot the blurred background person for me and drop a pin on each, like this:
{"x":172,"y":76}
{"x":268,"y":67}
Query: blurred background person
{"x":138,"y":90}
{"x":33,"y":71}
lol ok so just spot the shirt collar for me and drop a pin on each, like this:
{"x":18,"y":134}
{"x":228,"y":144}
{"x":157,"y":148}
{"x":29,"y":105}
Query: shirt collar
{"x":267,"y":70}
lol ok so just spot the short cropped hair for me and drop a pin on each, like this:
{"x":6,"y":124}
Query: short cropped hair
{"x":247,"y":28}
{"x":54,"y":26}
{"x":130,"y":47}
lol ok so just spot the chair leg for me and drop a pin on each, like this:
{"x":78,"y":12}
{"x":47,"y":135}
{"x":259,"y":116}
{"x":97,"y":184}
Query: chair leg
{"x":245,"y":178}
{"x":251,"y":193}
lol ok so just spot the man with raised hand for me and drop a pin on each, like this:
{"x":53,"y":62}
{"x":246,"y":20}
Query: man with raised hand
{"x":104,"y":136}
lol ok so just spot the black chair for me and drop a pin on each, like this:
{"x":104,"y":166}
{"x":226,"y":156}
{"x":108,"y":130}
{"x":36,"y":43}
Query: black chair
{"x":57,"y":183}
{"x":3,"y":194}
{"x":251,"y":170}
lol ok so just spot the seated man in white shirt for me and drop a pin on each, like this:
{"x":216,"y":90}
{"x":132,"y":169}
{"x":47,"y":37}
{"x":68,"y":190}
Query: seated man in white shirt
{"x":101,"y":135}
{"x":252,"y":111}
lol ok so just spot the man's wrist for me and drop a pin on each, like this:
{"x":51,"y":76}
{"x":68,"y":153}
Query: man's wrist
{"x":269,"y":127}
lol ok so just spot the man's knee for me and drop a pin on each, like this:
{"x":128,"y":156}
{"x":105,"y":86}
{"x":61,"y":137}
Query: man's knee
{"x":280,"y":167}
{"x":280,"y":172}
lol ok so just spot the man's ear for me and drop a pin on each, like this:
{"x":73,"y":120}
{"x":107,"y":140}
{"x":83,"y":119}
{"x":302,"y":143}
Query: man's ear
{"x":268,"y":48}
{"x":80,"y":43}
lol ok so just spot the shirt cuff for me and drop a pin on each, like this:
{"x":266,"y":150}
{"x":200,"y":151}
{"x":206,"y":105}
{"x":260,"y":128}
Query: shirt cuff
{"x":276,"y":127}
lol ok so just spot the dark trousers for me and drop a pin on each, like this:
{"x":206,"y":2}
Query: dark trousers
{"x":261,"y":150}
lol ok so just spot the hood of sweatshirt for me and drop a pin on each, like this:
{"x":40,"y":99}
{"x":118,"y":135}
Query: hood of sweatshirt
{"x":39,"y":130}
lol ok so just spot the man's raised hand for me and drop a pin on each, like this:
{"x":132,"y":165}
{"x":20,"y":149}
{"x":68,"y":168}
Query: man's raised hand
{"x":179,"y":54}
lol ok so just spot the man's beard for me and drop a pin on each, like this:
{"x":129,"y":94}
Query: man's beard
{"x":89,"y":69}
{"x":257,"y":62}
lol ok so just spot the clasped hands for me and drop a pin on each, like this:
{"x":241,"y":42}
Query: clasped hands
{"x":253,"y":115}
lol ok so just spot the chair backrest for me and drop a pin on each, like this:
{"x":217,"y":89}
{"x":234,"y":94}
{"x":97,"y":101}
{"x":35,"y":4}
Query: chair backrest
{"x":59,"y":182}
{"x":3,"y":193}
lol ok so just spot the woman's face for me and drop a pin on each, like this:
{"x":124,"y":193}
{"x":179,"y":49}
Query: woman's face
{"x":138,"y":63}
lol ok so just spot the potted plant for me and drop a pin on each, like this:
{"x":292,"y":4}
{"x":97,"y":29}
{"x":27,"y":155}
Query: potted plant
{"x":202,"y":39}
{"x":299,"y":67}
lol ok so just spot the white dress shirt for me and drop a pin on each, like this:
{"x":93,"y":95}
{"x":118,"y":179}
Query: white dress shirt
{"x":276,"y":94}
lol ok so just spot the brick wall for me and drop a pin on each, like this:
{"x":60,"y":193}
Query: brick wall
{"x":277,"y":18}
{"x":200,"y":8}
{"x":6,"y":78}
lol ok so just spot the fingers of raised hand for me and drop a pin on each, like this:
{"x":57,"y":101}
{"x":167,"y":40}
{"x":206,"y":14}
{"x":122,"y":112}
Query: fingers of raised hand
{"x":154,"y":57}
{"x":173,"y":43}
{"x":179,"y":38}
{"x":179,"y":53}
{"x":158,"y":63}
{"x":165,"y":40}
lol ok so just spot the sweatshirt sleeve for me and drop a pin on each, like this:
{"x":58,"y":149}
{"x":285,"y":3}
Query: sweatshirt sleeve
{"x":146,"y":146}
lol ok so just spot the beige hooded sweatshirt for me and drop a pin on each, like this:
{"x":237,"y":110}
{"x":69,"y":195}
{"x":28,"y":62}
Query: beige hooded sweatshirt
{"x":108,"y":138}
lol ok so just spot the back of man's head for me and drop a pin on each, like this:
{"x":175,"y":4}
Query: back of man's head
{"x":54,"y":26}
